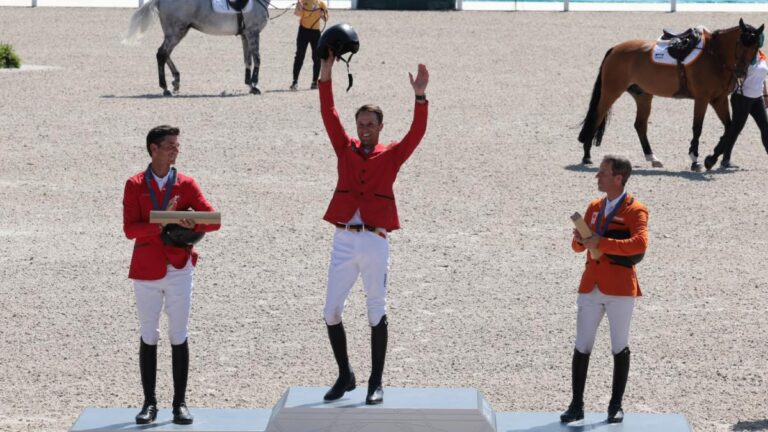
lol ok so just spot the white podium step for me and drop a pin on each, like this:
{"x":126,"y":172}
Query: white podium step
{"x":302,"y":409}
{"x":206,"y":420}
{"x":593,"y":422}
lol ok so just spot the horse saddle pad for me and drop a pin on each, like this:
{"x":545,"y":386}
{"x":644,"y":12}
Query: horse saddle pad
{"x":231,"y":6}
{"x":684,"y":47}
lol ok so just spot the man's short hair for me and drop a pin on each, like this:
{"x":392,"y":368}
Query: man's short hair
{"x":371,"y":108}
{"x":158,"y":133}
{"x":620,"y":166}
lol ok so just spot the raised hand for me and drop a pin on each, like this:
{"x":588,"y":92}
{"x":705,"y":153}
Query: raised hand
{"x":422,"y":79}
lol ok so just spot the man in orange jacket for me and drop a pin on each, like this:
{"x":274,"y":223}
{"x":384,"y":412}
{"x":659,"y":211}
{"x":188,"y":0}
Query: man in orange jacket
{"x":162,"y":272}
{"x":619,"y":223}
{"x":364,"y":212}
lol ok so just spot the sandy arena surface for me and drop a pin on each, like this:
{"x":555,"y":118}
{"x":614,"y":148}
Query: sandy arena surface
{"x":483,"y":280}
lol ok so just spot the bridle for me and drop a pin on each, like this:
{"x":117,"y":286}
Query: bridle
{"x":735,"y":73}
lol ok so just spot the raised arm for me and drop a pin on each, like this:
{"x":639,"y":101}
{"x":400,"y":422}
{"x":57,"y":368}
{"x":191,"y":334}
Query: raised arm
{"x":408,"y":144}
{"x":338,"y":136}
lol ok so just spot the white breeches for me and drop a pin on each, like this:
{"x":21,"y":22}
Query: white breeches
{"x":175,"y":289}
{"x":591,"y":308}
{"x":357,"y":253}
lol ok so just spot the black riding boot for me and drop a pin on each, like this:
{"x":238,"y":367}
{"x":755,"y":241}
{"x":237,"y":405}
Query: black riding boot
{"x":346,"y":380}
{"x":379,"y":338}
{"x":620,"y":375}
{"x":148,"y":369}
{"x":579,"y":367}
{"x":180,"y":364}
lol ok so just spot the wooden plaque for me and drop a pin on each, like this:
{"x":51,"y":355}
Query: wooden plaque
{"x":585,"y":232}
{"x":167,"y":217}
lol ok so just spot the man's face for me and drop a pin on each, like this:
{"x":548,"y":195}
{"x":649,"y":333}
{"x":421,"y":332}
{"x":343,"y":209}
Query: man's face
{"x":166,"y":152}
{"x":368,"y":128}
{"x":606,"y":180}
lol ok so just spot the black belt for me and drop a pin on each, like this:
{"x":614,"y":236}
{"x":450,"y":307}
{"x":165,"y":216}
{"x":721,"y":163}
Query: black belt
{"x":356,"y":228}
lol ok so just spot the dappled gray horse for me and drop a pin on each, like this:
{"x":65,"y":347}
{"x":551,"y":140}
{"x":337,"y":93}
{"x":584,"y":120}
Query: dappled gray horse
{"x":178,"y":16}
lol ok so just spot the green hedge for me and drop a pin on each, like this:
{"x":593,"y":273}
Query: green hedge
{"x":8,"y":58}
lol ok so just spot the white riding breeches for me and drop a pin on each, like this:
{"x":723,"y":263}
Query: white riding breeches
{"x":357,"y":253}
{"x":175,"y":290}
{"x":591,"y":308}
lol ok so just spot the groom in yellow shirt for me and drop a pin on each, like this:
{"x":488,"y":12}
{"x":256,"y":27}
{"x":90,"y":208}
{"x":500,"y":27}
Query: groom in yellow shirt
{"x":310,"y":13}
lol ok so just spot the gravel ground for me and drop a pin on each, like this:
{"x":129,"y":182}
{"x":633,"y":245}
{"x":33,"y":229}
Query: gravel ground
{"x":483,"y":280}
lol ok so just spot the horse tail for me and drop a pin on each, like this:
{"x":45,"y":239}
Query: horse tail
{"x":140,"y":21}
{"x":589,"y":131}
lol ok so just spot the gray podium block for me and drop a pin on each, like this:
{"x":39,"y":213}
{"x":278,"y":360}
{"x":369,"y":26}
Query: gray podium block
{"x":302,"y":409}
{"x":593,"y":422}
{"x":206,"y":420}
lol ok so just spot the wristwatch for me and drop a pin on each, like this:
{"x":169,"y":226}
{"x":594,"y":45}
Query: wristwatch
{"x":421,"y":97}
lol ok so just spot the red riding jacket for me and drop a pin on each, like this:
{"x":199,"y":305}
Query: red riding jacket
{"x":150,"y":255}
{"x":365,"y":181}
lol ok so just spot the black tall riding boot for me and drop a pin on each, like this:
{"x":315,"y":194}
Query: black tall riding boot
{"x":579,"y":367}
{"x":346,"y":380}
{"x":620,"y":375}
{"x":379,"y":338}
{"x":148,"y":369}
{"x":180,"y":364}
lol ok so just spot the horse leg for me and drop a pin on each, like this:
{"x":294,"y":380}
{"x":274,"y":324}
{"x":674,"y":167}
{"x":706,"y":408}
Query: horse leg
{"x":253,"y":43}
{"x":720,"y":105}
{"x":247,"y":60}
{"x":699,"y":110}
{"x":172,"y":39}
{"x":643,"y":101}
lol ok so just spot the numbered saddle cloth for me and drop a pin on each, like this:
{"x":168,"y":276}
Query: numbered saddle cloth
{"x":690,"y":44}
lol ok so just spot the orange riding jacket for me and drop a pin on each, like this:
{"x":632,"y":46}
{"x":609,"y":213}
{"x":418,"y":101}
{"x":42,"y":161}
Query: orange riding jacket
{"x":622,"y":245}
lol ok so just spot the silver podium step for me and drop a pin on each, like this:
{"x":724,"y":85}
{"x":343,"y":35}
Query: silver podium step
{"x":302,"y":409}
{"x":206,"y":420}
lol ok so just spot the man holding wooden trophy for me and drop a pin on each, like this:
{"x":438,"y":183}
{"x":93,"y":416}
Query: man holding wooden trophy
{"x":163,"y":260}
{"x":616,"y":234}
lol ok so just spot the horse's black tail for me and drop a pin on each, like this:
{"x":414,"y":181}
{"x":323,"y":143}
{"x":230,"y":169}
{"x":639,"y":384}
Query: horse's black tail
{"x":590,"y":133}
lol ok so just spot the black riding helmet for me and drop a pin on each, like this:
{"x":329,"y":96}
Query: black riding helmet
{"x":176,"y":235}
{"x":341,"y":39}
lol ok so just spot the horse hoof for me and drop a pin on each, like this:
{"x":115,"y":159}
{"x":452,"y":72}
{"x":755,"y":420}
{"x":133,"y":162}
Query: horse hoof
{"x":657,"y":164}
{"x":586,"y":161}
{"x":167,"y":92}
{"x":255,"y":91}
{"x":709,"y":162}
{"x":697,"y":167}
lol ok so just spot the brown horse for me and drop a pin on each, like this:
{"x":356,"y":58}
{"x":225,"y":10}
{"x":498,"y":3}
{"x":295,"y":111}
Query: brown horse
{"x":709,"y":80}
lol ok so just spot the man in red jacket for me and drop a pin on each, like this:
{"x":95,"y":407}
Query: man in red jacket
{"x":364,"y":212}
{"x":609,"y":286}
{"x":162,"y":273}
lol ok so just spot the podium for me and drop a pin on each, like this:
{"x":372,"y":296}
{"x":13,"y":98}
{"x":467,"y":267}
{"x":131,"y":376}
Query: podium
{"x":302,"y":409}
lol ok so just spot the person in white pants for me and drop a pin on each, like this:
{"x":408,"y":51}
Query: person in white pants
{"x":609,"y":286}
{"x":364,"y":212}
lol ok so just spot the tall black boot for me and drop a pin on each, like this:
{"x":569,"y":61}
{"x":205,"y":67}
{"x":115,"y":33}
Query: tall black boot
{"x":379,"y":338}
{"x":148,"y":369}
{"x":346,"y":380}
{"x":579,"y":367}
{"x":180,"y":364}
{"x":620,"y":375}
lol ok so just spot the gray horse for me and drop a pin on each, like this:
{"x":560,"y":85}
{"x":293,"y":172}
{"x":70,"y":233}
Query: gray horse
{"x":178,"y":16}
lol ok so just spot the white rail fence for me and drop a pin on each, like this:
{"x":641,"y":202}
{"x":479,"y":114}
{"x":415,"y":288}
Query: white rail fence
{"x":512,"y":5}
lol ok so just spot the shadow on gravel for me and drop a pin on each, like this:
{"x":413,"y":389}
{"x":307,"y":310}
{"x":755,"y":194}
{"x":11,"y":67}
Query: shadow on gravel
{"x":178,"y":96}
{"x":659,"y":172}
{"x":754,"y":425}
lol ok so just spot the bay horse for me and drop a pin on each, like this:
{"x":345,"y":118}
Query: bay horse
{"x":710,"y":79}
{"x":178,"y":16}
